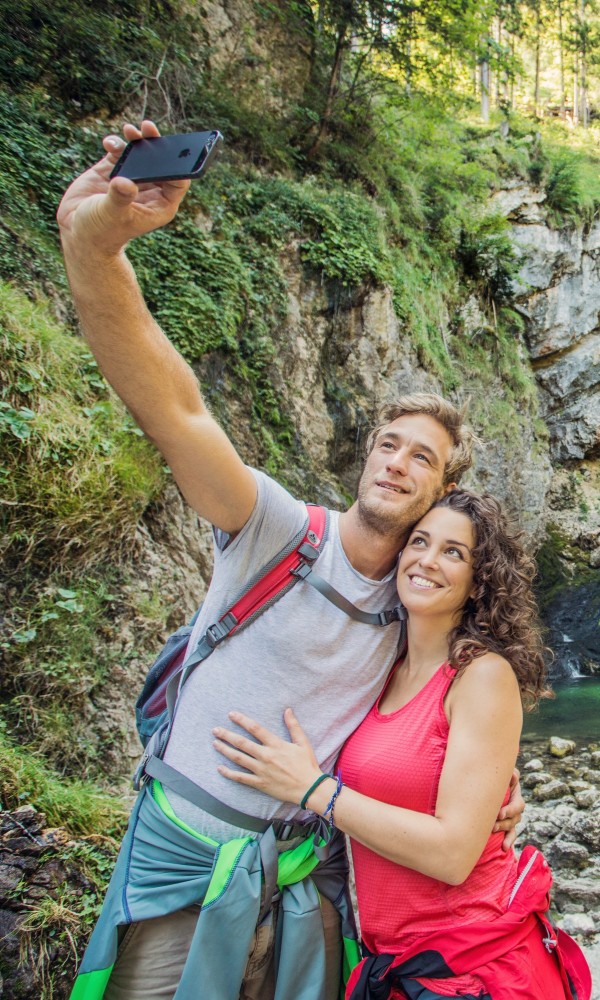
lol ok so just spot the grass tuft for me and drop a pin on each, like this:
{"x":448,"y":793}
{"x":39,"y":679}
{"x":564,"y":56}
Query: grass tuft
{"x":77,"y":805}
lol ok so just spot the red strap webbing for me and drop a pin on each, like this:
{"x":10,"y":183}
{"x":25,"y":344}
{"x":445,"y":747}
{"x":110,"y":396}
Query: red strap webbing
{"x":280,"y":575}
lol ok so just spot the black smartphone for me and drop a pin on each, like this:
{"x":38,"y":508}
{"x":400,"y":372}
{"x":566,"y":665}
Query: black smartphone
{"x":168,"y":157}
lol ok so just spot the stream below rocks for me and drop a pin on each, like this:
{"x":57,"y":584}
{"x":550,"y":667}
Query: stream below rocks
{"x":573,"y":714}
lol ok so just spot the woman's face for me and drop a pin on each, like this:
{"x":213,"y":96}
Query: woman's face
{"x":435,"y":572}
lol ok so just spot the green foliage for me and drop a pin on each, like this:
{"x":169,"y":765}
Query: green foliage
{"x":56,"y":655}
{"x":75,"y":473}
{"x":421,"y":298}
{"x":92,"y":58}
{"x":567,"y":166}
{"x":54,"y":928}
{"x":568,"y":195}
{"x":489,"y":258}
{"x":34,"y":173}
{"x":495,"y":374}
{"x":77,"y":805}
{"x":65,"y":656}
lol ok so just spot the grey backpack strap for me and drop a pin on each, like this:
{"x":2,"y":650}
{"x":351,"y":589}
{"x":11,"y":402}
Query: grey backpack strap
{"x":386,"y":617}
{"x":198,"y":796}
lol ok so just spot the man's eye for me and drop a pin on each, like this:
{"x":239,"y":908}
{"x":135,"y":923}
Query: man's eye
{"x":420,"y":455}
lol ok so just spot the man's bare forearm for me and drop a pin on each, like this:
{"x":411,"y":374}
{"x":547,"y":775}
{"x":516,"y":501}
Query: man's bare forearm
{"x":133,"y":353}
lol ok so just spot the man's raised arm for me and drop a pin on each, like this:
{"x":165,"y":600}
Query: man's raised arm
{"x":97,"y":218}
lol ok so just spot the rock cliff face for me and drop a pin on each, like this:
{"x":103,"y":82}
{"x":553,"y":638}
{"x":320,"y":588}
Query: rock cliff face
{"x":341,"y":354}
{"x":559,"y":295}
{"x":265,"y":59}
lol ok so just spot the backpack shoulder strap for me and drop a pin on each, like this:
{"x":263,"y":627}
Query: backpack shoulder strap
{"x":268,"y":586}
{"x":262,"y":592}
{"x":306,"y":572}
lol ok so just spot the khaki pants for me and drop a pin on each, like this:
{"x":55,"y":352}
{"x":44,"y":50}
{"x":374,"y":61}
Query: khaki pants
{"x":152,"y":954}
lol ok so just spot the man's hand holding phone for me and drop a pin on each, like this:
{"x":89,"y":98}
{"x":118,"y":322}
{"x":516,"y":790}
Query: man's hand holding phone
{"x":102,"y":214}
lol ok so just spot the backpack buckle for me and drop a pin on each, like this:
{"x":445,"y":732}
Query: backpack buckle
{"x":218,"y":631}
{"x":308,"y":551}
{"x":389,"y":615}
{"x":302,"y":571}
{"x":140,"y":777}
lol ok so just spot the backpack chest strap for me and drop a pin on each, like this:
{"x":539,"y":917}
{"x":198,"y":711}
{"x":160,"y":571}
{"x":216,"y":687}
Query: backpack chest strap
{"x":396,"y":614}
{"x":177,"y":782}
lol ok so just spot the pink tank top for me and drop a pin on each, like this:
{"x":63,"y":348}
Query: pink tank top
{"x":398,"y":758}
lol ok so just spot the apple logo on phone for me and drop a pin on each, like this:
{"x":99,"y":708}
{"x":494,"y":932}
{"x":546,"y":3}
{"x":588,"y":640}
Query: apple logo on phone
{"x":184,"y":152}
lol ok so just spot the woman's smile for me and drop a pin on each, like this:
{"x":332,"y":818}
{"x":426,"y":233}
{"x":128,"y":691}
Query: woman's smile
{"x":422,"y":583}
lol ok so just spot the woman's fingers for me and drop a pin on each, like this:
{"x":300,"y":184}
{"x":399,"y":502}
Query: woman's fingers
{"x":295,"y":729}
{"x":236,"y":756}
{"x":509,"y":839}
{"x":242,"y":777}
{"x":227,"y":737}
{"x":260,"y":733}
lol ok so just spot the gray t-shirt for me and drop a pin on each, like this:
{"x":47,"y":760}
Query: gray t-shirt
{"x":302,"y":653}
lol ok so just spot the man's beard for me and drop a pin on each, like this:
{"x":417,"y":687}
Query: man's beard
{"x":386,"y":521}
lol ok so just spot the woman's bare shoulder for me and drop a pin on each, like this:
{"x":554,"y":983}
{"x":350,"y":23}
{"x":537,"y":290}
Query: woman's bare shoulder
{"x":486,"y":677}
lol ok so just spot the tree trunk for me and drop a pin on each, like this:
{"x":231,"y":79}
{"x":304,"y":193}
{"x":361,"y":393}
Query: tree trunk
{"x":484,"y":82}
{"x":334,"y":78}
{"x":484,"y":78}
{"x":512,"y":73}
{"x":538,"y":47}
{"x":499,"y":74}
{"x":583,"y":78}
{"x":408,"y":50}
{"x":562,"y":61}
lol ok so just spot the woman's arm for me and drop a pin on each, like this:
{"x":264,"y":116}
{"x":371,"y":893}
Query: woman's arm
{"x":485,"y":724}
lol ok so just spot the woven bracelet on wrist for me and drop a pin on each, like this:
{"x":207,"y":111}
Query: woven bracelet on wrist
{"x":328,"y":813}
{"x":315,"y":784}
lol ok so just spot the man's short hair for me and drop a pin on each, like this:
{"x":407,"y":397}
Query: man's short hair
{"x":448,"y":415}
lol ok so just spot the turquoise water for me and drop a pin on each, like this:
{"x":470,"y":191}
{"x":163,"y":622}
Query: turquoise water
{"x":573,"y":714}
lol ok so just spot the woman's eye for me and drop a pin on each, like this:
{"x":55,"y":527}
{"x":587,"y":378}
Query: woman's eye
{"x":454,"y":552}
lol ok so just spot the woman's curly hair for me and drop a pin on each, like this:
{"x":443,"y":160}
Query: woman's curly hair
{"x":502,"y":617}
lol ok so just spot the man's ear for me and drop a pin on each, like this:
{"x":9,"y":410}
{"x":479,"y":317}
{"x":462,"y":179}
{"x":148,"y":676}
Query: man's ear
{"x":449,"y":487}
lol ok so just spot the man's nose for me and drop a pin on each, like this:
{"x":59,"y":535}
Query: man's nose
{"x":398,"y":461}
